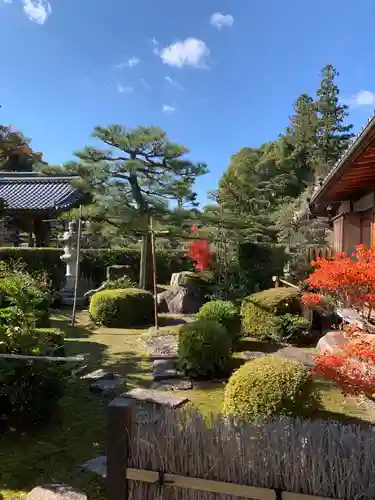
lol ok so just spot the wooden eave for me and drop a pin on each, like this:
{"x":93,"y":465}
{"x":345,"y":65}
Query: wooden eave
{"x":354,"y":175}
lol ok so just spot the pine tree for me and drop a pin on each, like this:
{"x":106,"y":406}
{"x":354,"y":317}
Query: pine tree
{"x":301,"y":137}
{"x":333,"y":134}
{"x":136,"y":176}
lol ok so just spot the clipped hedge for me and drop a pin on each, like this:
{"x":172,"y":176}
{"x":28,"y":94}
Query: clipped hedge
{"x":204,"y":349}
{"x":122,"y":308}
{"x":224,"y":312}
{"x":260,"y":310}
{"x":94,"y":262}
{"x":267,"y":387}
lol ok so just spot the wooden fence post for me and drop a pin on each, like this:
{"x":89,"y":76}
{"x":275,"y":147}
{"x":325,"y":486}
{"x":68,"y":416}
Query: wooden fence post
{"x":120,"y":417}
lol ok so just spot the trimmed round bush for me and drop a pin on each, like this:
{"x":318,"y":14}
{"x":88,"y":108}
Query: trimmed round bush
{"x":259,"y":311}
{"x":224,"y":312}
{"x":122,"y":308}
{"x":204,"y":349}
{"x":118,"y":283}
{"x":267,"y":387}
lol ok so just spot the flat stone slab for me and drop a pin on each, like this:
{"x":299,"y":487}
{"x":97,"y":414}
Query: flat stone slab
{"x":155,"y":396}
{"x":164,"y":369}
{"x":107,"y":386}
{"x":97,"y":466}
{"x":99,"y":375}
{"x":55,"y":492}
{"x":172,"y":385}
{"x":249,"y":355}
{"x":296,"y":354}
{"x":332,"y":342}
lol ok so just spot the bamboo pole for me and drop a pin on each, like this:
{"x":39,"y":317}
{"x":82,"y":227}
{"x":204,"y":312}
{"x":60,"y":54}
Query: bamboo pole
{"x":154,"y":276}
{"x":77,"y":267}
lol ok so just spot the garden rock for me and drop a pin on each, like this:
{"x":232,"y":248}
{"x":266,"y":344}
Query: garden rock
{"x":332,"y":342}
{"x":296,"y":354}
{"x":164,"y":369}
{"x":55,"y":492}
{"x":180,"y":300}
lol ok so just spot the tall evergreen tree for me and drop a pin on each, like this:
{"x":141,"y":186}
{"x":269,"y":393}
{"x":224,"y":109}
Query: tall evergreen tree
{"x":301,"y":136}
{"x":334,"y":134}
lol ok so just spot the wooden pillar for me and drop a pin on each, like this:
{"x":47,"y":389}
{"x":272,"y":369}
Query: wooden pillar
{"x":120,"y":420}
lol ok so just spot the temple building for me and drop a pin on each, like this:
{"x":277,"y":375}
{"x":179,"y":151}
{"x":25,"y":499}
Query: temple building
{"x":31,"y":202}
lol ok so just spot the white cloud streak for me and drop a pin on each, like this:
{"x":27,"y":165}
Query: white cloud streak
{"x":37,"y":11}
{"x":190,"y":52}
{"x":168,"y":109}
{"x":124,"y":90}
{"x":219,"y":20}
{"x":145,"y":84}
{"x":173,"y":83}
{"x":129,"y":63}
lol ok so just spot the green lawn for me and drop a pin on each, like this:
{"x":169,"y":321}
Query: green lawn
{"x":52,"y":452}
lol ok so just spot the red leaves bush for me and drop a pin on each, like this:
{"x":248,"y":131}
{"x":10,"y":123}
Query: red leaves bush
{"x":348,"y":282}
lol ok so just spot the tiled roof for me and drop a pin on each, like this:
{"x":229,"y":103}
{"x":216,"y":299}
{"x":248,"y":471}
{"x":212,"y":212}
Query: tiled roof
{"x":36,"y":192}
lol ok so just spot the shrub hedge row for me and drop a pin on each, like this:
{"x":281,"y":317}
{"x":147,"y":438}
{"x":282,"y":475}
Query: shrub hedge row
{"x":94,"y":262}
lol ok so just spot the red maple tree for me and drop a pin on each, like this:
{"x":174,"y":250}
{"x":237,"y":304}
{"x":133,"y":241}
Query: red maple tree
{"x":349,"y":282}
{"x":199,"y":251}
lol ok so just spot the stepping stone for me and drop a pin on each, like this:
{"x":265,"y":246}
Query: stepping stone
{"x":55,"y":492}
{"x":107,"y":385}
{"x":172,"y":385}
{"x":155,"y":396}
{"x":171,"y":357}
{"x":249,"y":355}
{"x":296,"y":354}
{"x":97,"y":466}
{"x":99,"y":375}
{"x":164,"y":369}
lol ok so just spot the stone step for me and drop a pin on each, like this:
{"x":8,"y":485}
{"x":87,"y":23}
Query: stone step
{"x":164,"y":369}
{"x":55,"y":492}
{"x":156,"y":397}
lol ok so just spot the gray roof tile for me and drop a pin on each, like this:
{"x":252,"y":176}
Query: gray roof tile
{"x":38,"y":193}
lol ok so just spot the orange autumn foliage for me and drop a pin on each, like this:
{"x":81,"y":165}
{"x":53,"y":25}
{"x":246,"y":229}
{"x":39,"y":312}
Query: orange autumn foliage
{"x":349,"y":282}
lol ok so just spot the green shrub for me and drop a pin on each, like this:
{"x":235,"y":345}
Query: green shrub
{"x":122,"y":308}
{"x":29,"y":390}
{"x":292,"y":328}
{"x":267,"y":387}
{"x":94,"y":262}
{"x":259,"y":311}
{"x":204,"y":349}
{"x":119,"y":283}
{"x":223,"y":312}
{"x":29,"y":293}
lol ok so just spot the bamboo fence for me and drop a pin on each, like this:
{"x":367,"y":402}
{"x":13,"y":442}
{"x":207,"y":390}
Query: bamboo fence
{"x":182,"y":456}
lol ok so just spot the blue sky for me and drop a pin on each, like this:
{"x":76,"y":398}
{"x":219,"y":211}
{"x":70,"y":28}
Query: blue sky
{"x":215,"y":75}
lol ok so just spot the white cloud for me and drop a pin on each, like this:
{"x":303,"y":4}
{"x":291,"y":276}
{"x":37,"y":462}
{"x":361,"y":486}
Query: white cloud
{"x":145,"y":84}
{"x":220,"y":20}
{"x":364,"y":98}
{"x":190,"y":52}
{"x":124,"y":90}
{"x":37,"y":10}
{"x":173,"y":83}
{"x":130,"y":63}
{"x":7,"y":1}
{"x":169,"y":110}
